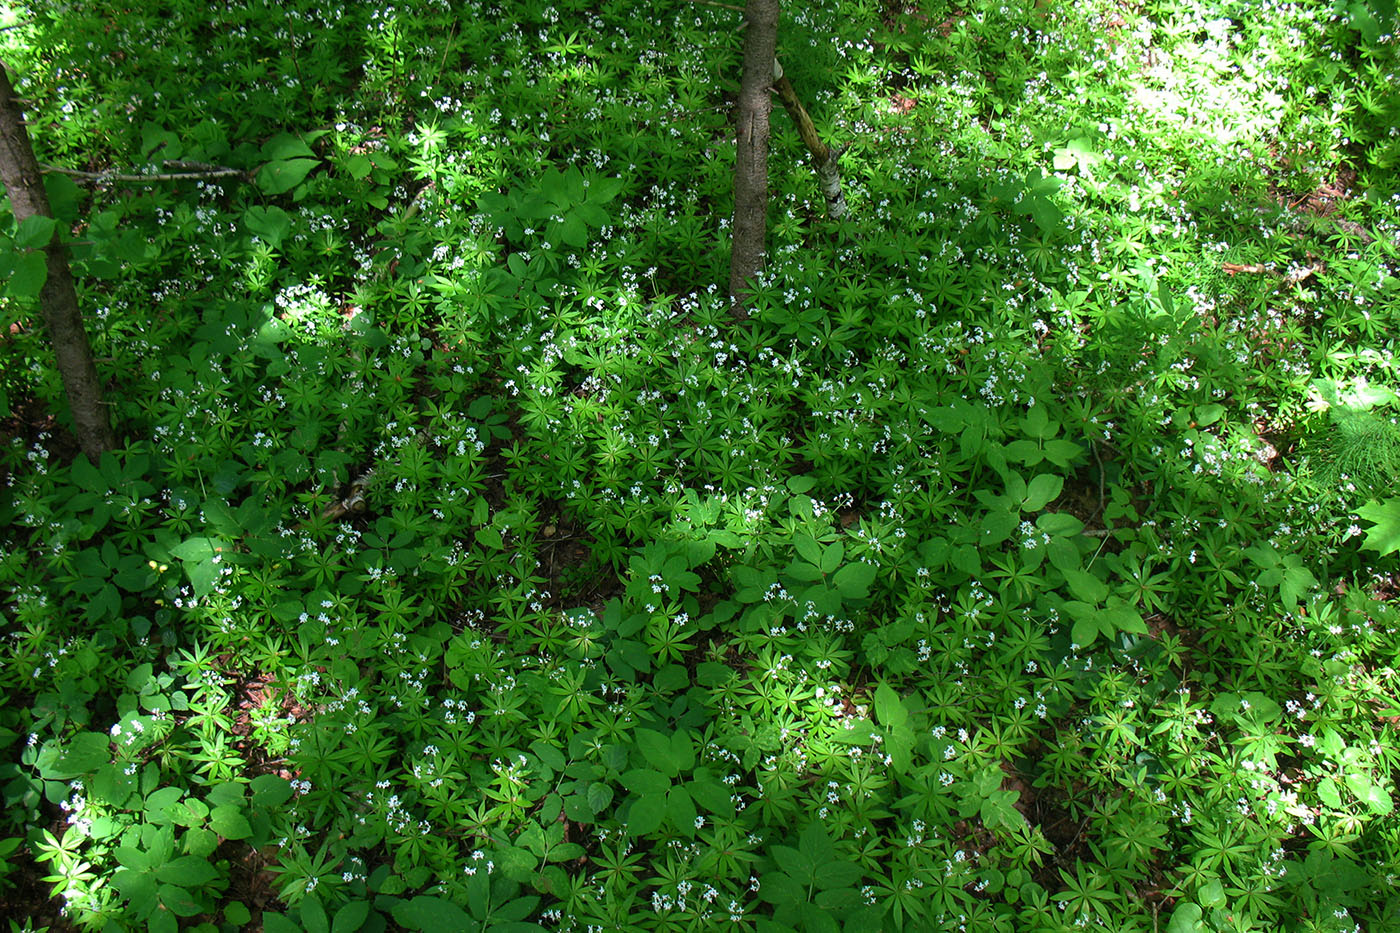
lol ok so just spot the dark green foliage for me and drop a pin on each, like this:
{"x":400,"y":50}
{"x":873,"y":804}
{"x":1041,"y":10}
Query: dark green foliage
{"x":473,"y":570}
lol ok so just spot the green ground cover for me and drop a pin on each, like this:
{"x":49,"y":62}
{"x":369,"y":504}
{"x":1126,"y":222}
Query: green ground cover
{"x":1023,"y":563}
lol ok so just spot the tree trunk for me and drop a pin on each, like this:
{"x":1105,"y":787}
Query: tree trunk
{"x":58,"y":301}
{"x":751,"y":162}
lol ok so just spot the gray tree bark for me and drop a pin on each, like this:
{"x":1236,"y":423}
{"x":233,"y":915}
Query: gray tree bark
{"x":751,"y":162}
{"x":58,"y":301}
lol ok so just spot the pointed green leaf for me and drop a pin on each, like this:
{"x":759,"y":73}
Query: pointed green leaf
{"x":646,"y":814}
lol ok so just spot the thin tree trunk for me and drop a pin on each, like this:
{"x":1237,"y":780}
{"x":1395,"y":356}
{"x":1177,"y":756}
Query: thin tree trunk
{"x":58,"y":300}
{"x":824,"y":158}
{"x":751,"y":162}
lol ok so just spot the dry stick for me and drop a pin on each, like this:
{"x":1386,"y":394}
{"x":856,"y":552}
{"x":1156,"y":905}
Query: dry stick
{"x":216,"y":171}
{"x":824,"y":158}
{"x":722,"y":6}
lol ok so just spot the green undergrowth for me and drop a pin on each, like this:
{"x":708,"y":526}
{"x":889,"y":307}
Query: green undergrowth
{"x":1022,"y":562}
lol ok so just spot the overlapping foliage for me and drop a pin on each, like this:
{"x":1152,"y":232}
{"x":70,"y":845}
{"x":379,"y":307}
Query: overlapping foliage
{"x":1022,"y":563}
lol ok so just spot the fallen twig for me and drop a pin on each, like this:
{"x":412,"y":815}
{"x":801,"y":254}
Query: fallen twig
{"x":202,"y":172}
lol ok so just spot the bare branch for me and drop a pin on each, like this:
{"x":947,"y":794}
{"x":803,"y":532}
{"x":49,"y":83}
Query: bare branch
{"x":203,"y":173}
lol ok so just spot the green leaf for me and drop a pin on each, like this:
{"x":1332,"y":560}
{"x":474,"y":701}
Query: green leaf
{"x":656,"y":748}
{"x":270,"y":791}
{"x":646,"y":814}
{"x":779,"y":889}
{"x":269,"y":224}
{"x":358,"y":166}
{"x":1045,"y":214}
{"x":795,"y":864}
{"x":433,"y":915}
{"x":816,"y":844}
{"x":313,"y":915}
{"x":285,"y":146}
{"x":187,"y":870}
{"x":283,"y":176}
{"x":491,"y":538}
{"x":27,"y":278}
{"x":203,"y":575}
{"x":229,"y":822}
{"x":1185,"y":919}
{"x":835,"y":875}
{"x":853,"y":580}
{"x":808,"y":549}
{"x":278,"y":923}
{"x":599,"y":796}
{"x":1384,"y":537}
{"x":889,"y":709}
{"x":1085,"y":585}
{"x":197,"y":548}
{"x":179,"y":901}
{"x":681,"y":809}
{"x":831,"y":557}
{"x":35,"y":233}
{"x":84,"y":753}
{"x":712,"y":795}
{"x":1376,"y":799}
{"x":1041,"y":491}
{"x":517,"y":863}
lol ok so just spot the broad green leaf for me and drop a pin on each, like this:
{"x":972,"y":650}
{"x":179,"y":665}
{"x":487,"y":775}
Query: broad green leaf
{"x":816,"y":844}
{"x":712,"y":795}
{"x":1185,"y":919}
{"x":516,"y":862}
{"x":229,"y":822}
{"x":1085,"y":586}
{"x":853,"y":580}
{"x":35,"y":233}
{"x":433,"y":915}
{"x":203,"y":575}
{"x":188,"y":871}
{"x":832,"y":874}
{"x":1211,"y":894}
{"x":889,"y":709}
{"x":83,"y":754}
{"x":269,"y":224}
{"x":282,"y":176}
{"x":831,"y":557}
{"x":1329,"y":794}
{"x":27,"y":278}
{"x":197,"y":548}
{"x":681,"y":809}
{"x":646,"y":814}
{"x":491,"y":538}
{"x":1041,"y":491}
{"x":780,"y":889}
{"x":808,"y":548}
{"x":1376,"y":799}
{"x":270,"y":791}
{"x":351,"y":917}
{"x":599,"y":796}
{"x":1384,"y":537}
{"x":358,"y":166}
{"x":285,"y":146}
{"x":682,"y":751}
{"x":179,"y":901}
{"x":645,"y":783}
{"x":657,"y":749}
{"x":795,"y":864}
